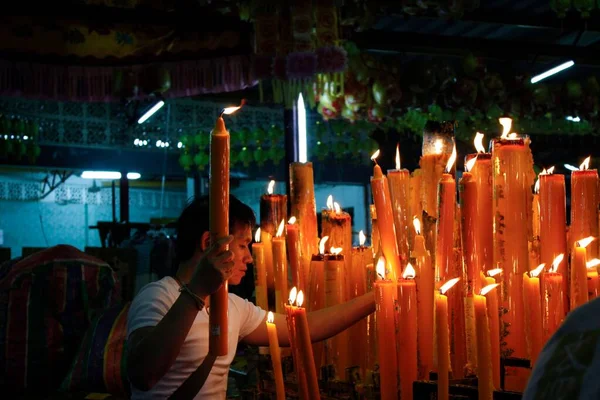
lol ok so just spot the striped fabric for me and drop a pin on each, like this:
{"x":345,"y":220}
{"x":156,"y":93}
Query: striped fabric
{"x":100,"y":363}
{"x":47,"y":301}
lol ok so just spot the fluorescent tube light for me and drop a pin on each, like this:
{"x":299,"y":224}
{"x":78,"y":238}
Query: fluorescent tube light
{"x":101,"y":175}
{"x":302,"y":145}
{"x":157,"y":106}
{"x":552,"y":71}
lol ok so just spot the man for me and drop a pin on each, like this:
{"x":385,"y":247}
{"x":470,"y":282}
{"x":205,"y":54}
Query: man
{"x":168,"y":319}
{"x":568,"y":366}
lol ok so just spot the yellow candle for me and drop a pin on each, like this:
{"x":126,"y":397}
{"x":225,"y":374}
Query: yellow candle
{"x":533,"y":317}
{"x":406,"y":334}
{"x":468,"y":208}
{"x":425,"y":296}
{"x":385,"y":296}
{"x":444,"y":249}
{"x":579,"y":273}
{"x":553,"y":238}
{"x":303,"y":207}
{"x":592,"y":276}
{"x":513,"y":179}
{"x":275,"y":357}
{"x":399,"y":181}
{"x":443,"y":340}
{"x":290,"y":311}
{"x":337,"y":353}
{"x":316,"y":288}
{"x":280,"y":268}
{"x":260,"y":273}
{"x":484,"y":354}
{"x":385,"y":220}
{"x":219,"y":227}
{"x":303,"y":342}
{"x":584,"y":206}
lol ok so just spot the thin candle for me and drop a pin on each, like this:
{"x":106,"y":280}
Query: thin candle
{"x":294,"y":248}
{"x":484,"y":354}
{"x":280,"y":268}
{"x":444,"y":249}
{"x":406,"y":334}
{"x":533,"y":317}
{"x":260,"y":273}
{"x":592,"y":278}
{"x":275,"y":357}
{"x":552,"y":299}
{"x":443,"y":340}
{"x":399,"y":181}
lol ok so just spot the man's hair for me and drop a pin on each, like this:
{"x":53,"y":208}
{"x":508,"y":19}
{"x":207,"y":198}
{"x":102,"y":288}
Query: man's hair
{"x":194,"y":221}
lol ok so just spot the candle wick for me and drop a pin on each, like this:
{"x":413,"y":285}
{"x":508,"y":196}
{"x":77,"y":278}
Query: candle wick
{"x":222,"y":112}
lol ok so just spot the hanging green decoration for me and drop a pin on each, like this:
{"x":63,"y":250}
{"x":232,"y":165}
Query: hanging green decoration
{"x":186,"y":162}
{"x":258,"y":136}
{"x":246,"y":156}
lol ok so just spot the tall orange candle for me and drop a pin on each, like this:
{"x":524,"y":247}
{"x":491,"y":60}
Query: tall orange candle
{"x":483,"y":241}
{"x":592,"y":278}
{"x":399,"y":181}
{"x":275,"y":357}
{"x":219,"y":227}
{"x":533,"y":317}
{"x":553,"y":221}
{"x":385,"y":297}
{"x":552,"y":299}
{"x":442,"y":335}
{"x":260,"y":273}
{"x":280,"y":268}
{"x":513,"y":178}
{"x":584,"y":206}
{"x":485,"y":385}
{"x":406,"y":334}
{"x":303,"y":207}
{"x":579,"y":273}
{"x":294,"y":248}
{"x":493,"y":315}
{"x":273,"y":208}
{"x":337,"y":349}
{"x":425,"y":295}
{"x":385,"y":219}
{"x":468,"y":208}
{"x":437,"y":146}
{"x":444,"y":249}
{"x":303,"y":341}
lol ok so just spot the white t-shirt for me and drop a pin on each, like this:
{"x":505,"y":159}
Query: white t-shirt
{"x":151,"y":305}
{"x":569,"y":365}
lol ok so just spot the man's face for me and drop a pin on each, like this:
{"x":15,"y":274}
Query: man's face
{"x":242,"y":237}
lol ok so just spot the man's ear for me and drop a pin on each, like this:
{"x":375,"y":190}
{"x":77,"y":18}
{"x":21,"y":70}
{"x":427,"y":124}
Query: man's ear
{"x":205,"y":241}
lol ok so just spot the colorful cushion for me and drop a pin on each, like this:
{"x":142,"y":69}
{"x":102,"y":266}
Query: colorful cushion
{"x":100,"y":363}
{"x":47,"y":301}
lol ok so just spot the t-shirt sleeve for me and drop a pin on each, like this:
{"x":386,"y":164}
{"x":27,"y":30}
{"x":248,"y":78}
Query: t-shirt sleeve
{"x":149,"y":306}
{"x":251,"y":317}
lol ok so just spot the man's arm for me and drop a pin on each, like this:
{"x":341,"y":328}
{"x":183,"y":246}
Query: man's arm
{"x":323,"y":324}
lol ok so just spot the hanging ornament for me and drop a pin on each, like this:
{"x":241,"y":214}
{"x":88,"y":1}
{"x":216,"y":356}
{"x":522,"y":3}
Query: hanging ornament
{"x":560,"y":7}
{"x":584,"y":7}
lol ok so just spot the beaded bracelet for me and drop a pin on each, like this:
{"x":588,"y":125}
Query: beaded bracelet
{"x":199,"y":302}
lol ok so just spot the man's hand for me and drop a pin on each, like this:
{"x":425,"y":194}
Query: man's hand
{"x":215,"y":267}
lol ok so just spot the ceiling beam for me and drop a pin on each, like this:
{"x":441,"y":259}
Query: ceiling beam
{"x":510,"y":50}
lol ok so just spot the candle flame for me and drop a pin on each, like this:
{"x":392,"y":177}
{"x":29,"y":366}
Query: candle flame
{"x":446,"y":286}
{"x":488,"y":289}
{"x":451,"y":160}
{"x":585,"y":242}
{"x":494,"y":272}
{"x":330,"y":202}
{"x":380,"y":267}
{"x":417,"y":225}
{"x":557,"y":262}
{"x":409,"y":272}
{"x":322,"y":242}
{"x":438,"y":146}
{"x":292,"y":220}
{"x":478,"y":141}
{"x":593,"y":263}
{"x":536,"y":187}
{"x":231,"y":110}
{"x":280,"y":229}
{"x":506,"y":126}
{"x":335,"y":250}
{"x":512,"y":136}
{"x":550,"y":170}
{"x":336,"y":207}
{"x":398,"y":157}
{"x":270,"y":317}
{"x":300,"y":299}
{"x":585,"y":164}
{"x":257,"y":236}
{"x":293,"y":294}
{"x":536,"y":271}
{"x":270,"y":187}
{"x":374,"y":156}
{"x":361,"y":238}
{"x":469,"y":164}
